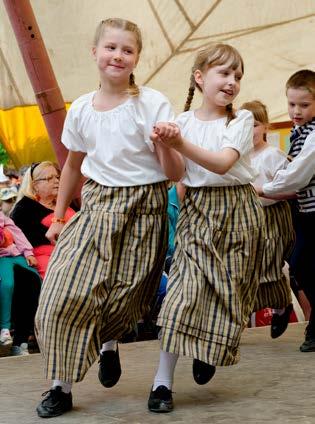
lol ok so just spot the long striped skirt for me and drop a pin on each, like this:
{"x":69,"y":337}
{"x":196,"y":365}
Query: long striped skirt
{"x":274,"y":288}
{"x":103,"y":274}
{"x":214,"y":275}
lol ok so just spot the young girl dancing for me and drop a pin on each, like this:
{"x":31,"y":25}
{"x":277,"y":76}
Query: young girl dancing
{"x":274,"y":288}
{"x":108,"y":260}
{"x":219,"y":240}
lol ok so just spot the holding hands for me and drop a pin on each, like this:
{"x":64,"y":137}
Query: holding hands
{"x":168,"y":134}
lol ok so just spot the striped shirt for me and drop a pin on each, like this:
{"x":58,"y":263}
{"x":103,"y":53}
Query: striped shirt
{"x":306,"y":195}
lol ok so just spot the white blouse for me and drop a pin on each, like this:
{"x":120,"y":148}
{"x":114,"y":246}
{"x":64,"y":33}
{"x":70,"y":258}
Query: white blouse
{"x":117,"y":142}
{"x":215,"y":136}
{"x":267,"y":162}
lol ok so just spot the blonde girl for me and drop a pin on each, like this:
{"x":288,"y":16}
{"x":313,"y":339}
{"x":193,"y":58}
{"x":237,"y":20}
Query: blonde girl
{"x":215,"y":270}
{"x":109,"y":257}
{"x":274,"y":289}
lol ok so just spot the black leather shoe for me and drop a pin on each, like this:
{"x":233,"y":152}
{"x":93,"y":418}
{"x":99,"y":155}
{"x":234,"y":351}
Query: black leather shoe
{"x":160,"y":400}
{"x":109,"y":370}
{"x":279,"y":323}
{"x":55,"y":403}
{"x":202,"y":372}
{"x":308,"y":345}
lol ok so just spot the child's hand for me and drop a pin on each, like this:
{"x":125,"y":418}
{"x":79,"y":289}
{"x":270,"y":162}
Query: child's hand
{"x":31,"y":260}
{"x":54,"y":231}
{"x":168,"y":134}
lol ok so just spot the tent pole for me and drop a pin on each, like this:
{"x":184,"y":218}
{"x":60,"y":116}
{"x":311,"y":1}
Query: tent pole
{"x":40,"y":72}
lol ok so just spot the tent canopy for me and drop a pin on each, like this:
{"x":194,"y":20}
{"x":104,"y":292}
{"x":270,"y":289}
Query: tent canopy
{"x":275,"y":38}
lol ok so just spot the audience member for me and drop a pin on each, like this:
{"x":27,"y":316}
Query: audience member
{"x":35,"y":206}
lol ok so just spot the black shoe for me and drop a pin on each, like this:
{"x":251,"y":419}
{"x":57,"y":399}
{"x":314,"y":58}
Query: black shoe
{"x":160,"y":400}
{"x":110,"y":370}
{"x":308,"y":345}
{"x":202,"y":372}
{"x":279,"y":323}
{"x":33,"y":345}
{"x":55,"y":403}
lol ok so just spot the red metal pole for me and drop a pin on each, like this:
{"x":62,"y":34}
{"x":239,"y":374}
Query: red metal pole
{"x":40,"y":72}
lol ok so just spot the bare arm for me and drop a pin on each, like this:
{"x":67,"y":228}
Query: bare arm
{"x":69,"y":181}
{"x":171,"y":161}
{"x":218,"y":162}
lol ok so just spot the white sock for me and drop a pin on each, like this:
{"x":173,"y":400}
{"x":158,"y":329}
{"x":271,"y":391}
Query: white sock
{"x":279,"y":311}
{"x":165,"y":372}
{"x":111,"y":345}
{"x":66,"y":387}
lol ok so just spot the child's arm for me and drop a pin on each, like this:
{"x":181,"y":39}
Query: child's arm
{"x":21,"y":242}
{"x":278,"y":196}
{"x":69,"y":180}
{"x":218,"y":162}
{"x":171,"y":161}
{"x":297,"y":174}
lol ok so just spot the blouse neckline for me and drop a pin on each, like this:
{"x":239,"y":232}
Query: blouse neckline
{"x":113,"y":110}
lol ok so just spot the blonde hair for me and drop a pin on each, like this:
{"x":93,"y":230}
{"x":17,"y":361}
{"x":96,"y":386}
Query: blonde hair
{"x":214,"y":55}
{"x":304,"y":79}
{"x":124,"y":25}
{"x":30,"y":176}
{"x":259,"y":111}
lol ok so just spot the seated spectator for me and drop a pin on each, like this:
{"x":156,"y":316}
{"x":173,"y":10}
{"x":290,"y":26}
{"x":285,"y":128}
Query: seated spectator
{"x":35,"y":206}
{"x":7,"y":199}
{"x":14,"y":177}
{"x":15,"y":250}
{"x":4,"y":180}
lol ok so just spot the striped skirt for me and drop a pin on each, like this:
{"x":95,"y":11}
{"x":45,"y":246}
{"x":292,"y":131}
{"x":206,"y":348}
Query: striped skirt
{"x":274,"y":288}
{"x":214,"y":275}
{"x":103,"y":274}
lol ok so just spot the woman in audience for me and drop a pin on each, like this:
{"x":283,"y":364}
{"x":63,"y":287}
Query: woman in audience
{"x":34,"y":209}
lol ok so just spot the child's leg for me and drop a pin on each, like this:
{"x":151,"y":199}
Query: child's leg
{"x":161,"y":399}
{"x":165,"y":373}
{"x":27,"y":285}
{"x":6,"y":291}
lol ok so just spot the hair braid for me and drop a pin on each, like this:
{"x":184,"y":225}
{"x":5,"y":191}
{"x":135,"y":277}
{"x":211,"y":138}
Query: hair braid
{"x":133,"y":89}
{"x":230,"y":113}
{"x":191,"y":92}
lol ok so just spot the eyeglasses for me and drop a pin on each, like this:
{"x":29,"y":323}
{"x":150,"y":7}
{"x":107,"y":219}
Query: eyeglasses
{"x":33,"y":166}
{"x":48,"y":179}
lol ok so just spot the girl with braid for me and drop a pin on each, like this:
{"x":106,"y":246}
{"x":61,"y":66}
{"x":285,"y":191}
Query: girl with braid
{"x":219,"y":241}
{"x":109,"y":258}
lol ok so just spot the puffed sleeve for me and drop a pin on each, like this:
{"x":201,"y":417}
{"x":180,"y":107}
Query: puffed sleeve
{"x":239,"y":133}
{"x":71,"y":137}
{"x":153,"y":107}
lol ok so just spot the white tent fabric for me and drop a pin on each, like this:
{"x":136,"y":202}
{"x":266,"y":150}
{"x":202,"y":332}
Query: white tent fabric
{"x":275,"y":38}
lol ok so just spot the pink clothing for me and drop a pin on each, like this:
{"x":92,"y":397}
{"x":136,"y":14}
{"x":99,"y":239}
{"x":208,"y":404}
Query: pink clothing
{"x":21,"y":245}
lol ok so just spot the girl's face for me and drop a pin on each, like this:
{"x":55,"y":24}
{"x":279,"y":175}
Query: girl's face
{"x":219,"y":84}
{"x":260,"y":130}
{"x":116,"y":54}
{"x":301,"y":105}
